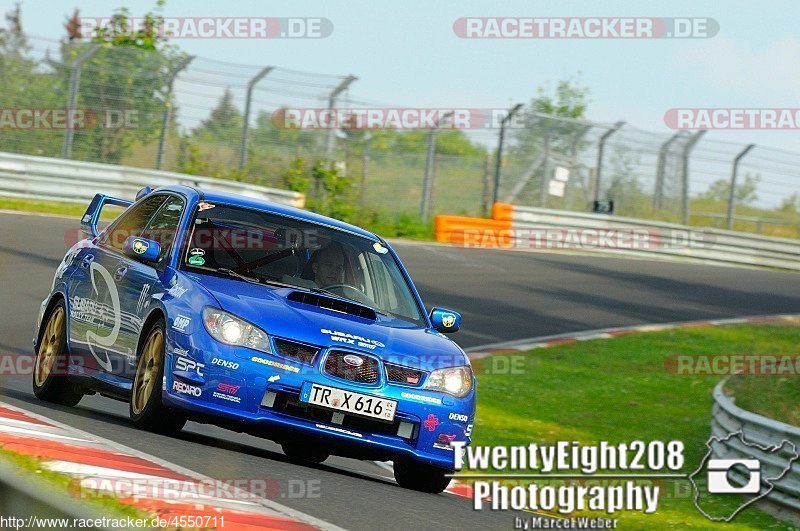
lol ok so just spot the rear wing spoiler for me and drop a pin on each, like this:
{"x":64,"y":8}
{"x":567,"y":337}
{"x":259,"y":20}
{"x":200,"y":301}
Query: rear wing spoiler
{"x":92,"y":215}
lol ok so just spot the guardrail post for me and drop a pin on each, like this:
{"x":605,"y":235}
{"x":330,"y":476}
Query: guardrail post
{"x":658,"y":192}
{"x":600,"y":148}
{"x":162,"y":141}
{"x":427,"y":180}
{"x":687,"y":149}
{"x":74,"y":83}
{"x":501,"y":138}
{"x":246,"y":125}
{"x":732,"y":191}
{"x":331,"y":103}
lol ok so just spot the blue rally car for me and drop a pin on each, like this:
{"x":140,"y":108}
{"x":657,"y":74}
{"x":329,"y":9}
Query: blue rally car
{"x":260,"y":318}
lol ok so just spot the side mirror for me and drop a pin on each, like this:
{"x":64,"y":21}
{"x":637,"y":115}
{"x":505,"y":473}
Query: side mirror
{"x":445,"y":321}
{"x":141,"y":249}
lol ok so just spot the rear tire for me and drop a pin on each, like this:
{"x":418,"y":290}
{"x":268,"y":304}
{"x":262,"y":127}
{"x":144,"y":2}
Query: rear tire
{"x":421,"y":477}
{"x":304,"y":452}
{"x":145,"y":407}
{"x":50,"y":380}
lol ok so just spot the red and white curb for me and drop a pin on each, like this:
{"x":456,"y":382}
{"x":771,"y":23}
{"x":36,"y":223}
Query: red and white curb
{"x":170,"y":491}
{"x":523,"y":345}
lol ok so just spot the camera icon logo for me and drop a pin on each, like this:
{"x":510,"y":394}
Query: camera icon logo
{"x":719,"y":476}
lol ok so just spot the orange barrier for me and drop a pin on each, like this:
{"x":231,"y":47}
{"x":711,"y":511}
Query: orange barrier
{"x":473,"y":232}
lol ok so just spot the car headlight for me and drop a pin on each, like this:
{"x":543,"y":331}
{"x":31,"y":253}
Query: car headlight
{"x":456,"y":381}
{"x":231,"y":330}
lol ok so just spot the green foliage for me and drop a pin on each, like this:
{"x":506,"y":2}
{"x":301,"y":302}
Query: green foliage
{"x":295,"y":177}
{"x":332,"y":193}
{"x":224,"y":123}
{"x":744,"y":194}
{"x":790,"y":204}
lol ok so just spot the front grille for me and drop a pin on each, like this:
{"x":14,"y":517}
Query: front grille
{"x":366,"y":373}
{"x":298,"y":351}
{"x":404,"y":375}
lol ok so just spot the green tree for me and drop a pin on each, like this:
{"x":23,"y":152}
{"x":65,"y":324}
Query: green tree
{"x":26,"y":85}
{"x":123,"y":84}
{"x":744,"y":194}
{"x":224,"y":123}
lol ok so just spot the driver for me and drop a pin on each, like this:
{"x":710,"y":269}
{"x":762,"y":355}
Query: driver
{"x":328,"y":266}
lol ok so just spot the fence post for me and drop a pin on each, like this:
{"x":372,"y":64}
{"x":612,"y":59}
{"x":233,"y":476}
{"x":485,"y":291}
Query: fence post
{"x":246,"y":125}
{"x":499,"y":160}
{"x":487,"y":186}
{"x":341,"y":87}
{"x":162,"y":141}
{"x":427,"y":181}
{"x":600,"y":148}
{"x":687,"y":149}
{"x":732,"y":191}
{"x":658,"y":192}
{"x":362,"y":191}
{"x":72,"y":102}
{"x":545,"y":170}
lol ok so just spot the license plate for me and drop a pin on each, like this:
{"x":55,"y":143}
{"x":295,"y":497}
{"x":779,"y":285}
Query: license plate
{"x":349,"y":402}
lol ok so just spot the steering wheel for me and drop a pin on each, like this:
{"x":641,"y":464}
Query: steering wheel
{"x":349,"y":292}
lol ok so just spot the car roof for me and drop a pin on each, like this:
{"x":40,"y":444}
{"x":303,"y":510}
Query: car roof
{"x":213,"y":196}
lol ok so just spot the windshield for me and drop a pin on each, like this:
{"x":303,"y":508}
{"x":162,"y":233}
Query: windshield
{"x":257,"y":246}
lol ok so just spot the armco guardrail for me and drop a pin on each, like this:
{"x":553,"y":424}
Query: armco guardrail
{"x":68,"y":180}
{"x":514,"y":226}
{"x":727,"y":418}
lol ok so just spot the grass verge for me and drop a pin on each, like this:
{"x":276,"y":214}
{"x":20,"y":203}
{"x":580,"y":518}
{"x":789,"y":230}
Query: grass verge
{"x":776,"y":397}
{"x":620,"y":390}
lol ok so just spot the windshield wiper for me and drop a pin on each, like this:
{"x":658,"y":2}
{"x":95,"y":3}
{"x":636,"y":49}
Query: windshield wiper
{"x":231,"y":272}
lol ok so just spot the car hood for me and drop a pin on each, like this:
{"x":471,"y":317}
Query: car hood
{"x":394,"y":340}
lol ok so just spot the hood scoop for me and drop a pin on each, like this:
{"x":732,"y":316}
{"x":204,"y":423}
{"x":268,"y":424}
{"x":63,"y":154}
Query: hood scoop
{"x":332,"y":304}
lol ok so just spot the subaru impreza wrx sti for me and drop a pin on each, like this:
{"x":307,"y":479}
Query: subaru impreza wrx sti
{"x":261,"y":318}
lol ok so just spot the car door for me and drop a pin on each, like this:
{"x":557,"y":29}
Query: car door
{"x":96,"y":315}
{"x":141,"y":281}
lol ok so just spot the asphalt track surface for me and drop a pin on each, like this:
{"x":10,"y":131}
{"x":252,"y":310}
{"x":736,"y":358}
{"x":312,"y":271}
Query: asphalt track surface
{"x":502,"y":296}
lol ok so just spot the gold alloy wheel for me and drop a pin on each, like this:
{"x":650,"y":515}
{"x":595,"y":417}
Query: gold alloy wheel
{"x":147,"y":370}
{"x":49,"y":346}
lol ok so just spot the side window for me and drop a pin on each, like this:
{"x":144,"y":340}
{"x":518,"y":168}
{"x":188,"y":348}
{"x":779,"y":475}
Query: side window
{"x":132,"y":222}
{"x":164,"y":225}
{"x":383,"y":283}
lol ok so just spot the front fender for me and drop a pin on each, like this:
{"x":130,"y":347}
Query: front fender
{"x":59,"y":290}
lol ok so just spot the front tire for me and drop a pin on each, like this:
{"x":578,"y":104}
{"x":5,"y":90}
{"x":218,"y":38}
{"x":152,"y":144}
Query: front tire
{"x":51,"y":359}
{"x":146,"y":409}
{"x":421,"y":477}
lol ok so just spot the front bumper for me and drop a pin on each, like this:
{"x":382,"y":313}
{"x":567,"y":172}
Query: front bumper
{"x":264,"y":400}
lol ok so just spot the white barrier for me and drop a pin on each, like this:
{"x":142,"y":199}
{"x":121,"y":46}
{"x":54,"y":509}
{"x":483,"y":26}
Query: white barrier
{"x":54,"y":179}
{"x":763,"y":432}
{"x":708,"y":244}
